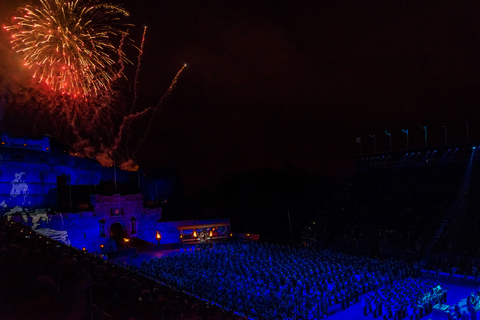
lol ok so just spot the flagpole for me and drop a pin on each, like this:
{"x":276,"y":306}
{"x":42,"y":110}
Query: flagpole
{"x":408,"y":141}
{"x":138,"y":176}
{"x":389,"y":134}
{"x":426,"y":137}
{"x":114,"y":172}
{"x":445,"y":127}
{"x":425,"y":129}
{"x":359,"y":141}
{"x":406,"y":132}
{"x":374,"y":142}
{"x":466,"y":123}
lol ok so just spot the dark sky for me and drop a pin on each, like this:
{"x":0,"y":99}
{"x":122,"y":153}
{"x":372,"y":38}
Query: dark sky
{"x":276,"y":83}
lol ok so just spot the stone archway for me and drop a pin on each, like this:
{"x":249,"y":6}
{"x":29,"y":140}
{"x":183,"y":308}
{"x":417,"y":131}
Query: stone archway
{"x":118,"y":230}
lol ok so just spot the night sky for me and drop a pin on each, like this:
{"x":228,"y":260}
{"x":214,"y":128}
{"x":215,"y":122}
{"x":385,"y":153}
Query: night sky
{"x":276,"y":83}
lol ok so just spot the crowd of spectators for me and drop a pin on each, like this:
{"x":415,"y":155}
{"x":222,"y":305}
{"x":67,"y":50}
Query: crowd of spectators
{"x":41,"y":278}
{"x":381,"y":213}
{"x":412,"y":297}
{"x":267,"y":280}
{"x":44,"y":279}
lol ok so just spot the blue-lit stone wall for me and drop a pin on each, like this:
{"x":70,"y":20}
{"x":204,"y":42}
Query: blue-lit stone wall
{"x":29,"y":170}
{"x":148,"y":227}
{"x":156,"y":189}
{"x":82,"y":230}
{"x":29,"y":178}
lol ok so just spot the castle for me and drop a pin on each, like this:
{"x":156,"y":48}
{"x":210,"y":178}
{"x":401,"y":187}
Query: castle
{"x":84,"y":204}
{"x":68,"y":197}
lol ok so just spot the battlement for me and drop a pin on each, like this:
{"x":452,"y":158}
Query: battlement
{"x":42,"y":144}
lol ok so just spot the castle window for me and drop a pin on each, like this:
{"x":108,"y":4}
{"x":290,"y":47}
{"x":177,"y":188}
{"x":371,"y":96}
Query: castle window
{"x":134,"y":225}
{"x":102,"y":228}
{"x":116,"y":211}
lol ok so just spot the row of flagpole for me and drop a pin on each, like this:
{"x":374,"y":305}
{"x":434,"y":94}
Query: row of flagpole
{"x":389,"y":134}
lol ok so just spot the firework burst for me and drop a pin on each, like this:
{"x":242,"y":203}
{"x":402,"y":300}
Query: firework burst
{"x":75,"y":49}
{"x":71,"y":45}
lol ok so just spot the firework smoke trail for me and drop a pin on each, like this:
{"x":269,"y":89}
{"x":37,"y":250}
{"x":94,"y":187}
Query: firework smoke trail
{"x":68,"y":44}
{"x":74,"y":51}
{"x":98,"y":111}
{"x":126,"y":121}
{"x":135,"y":87}
{"x":121,"y":57}
{"x":101,"y":110}
{"x":137,"y":72}
{"x":159,"y":106}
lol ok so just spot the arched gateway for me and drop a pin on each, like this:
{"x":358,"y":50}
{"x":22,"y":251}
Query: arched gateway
{"x":118,"y":215}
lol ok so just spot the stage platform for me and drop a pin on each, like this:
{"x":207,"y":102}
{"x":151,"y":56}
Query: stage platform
{"x":441,"y":310}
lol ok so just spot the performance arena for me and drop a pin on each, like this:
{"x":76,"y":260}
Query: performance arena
{"x":398,"y":240}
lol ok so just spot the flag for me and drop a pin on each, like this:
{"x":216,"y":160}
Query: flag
{"x":388,"y":133}
{"x":371,"y":136}
{"x":405,"y":130}
{"x":358,"y":140}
